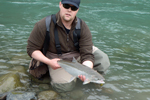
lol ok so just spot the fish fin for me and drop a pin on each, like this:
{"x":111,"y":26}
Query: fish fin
{"x":86,"y":82}
{"x":72,"y":78}
{"x":74,"y":60}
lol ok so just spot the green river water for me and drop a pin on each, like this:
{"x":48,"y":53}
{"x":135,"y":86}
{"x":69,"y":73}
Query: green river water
{"x":120,"y":28}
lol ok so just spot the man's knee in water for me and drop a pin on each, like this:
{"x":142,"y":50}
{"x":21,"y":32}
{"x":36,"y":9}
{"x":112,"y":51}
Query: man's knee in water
{"x":101,"y":63}
{"x":64,"y":87}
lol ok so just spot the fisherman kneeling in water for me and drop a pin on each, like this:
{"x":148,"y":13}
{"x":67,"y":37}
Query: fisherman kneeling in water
{"x":64,"y":44}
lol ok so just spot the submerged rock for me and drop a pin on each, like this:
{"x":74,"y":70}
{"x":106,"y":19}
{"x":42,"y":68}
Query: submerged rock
{"x":107,"y":90}
{"x":19,"y":95}
{"x":3,"y":96}
{"x":19,"y":69}
{"x":47,"y":95}
{"x":44,"y":86}
{"x":44,"y":80}
{"x":9,"y":82}
{"x":77,"y":94}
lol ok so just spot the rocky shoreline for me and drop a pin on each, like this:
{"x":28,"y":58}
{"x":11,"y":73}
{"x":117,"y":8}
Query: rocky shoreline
{"x":18,"y":85}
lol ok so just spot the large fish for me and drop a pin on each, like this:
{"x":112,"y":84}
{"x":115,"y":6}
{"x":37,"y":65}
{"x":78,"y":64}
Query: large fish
{"x":75,"y":69}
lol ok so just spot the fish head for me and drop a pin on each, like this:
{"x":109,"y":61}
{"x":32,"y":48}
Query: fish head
{"x":94,"y":79}
{"x":97,"y":80}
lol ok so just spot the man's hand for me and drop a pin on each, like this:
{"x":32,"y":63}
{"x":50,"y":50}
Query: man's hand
{"x":88,"y":63}
{"x":82,"y":77}
{"x":53,"y":63}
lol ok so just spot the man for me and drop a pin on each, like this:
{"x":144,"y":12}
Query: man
{"x":66,"y":22}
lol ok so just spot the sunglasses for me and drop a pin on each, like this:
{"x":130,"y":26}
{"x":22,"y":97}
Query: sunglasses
{"x":67,"y":6}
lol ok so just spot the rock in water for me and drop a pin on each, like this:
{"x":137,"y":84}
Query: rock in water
{"x":19,"y":95}
{"x":47,"y":95}
{"x":9,"y":82}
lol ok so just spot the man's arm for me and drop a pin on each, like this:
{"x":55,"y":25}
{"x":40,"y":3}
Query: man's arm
{"x":38,"y":55}
{"x":86,"y":44}
{"x":87,"y":58}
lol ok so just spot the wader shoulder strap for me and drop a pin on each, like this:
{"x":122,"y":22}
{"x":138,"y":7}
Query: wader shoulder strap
{"x":47,"y":36}
{"x":76,"y":34}
{"x":57,"y":43}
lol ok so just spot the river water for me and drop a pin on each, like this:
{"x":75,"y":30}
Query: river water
{"x":120,"y":28}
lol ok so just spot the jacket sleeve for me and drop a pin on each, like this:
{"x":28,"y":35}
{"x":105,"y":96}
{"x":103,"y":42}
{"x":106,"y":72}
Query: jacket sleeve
{"x":85,"y":43}
{"x":36,"y":38}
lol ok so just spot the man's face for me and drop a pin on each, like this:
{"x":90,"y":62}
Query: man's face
{"x":67,"y":14}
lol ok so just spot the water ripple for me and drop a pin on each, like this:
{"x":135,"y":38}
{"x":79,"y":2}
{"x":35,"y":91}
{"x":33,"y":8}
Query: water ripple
{"x":32,"y":3}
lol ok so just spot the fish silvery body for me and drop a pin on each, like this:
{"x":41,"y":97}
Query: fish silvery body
{"x":75,"y":69}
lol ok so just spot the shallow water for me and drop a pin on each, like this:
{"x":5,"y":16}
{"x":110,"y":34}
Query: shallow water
{"x":120,"y":28}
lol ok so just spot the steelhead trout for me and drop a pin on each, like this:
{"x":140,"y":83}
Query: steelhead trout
{"x":75,"y":69}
